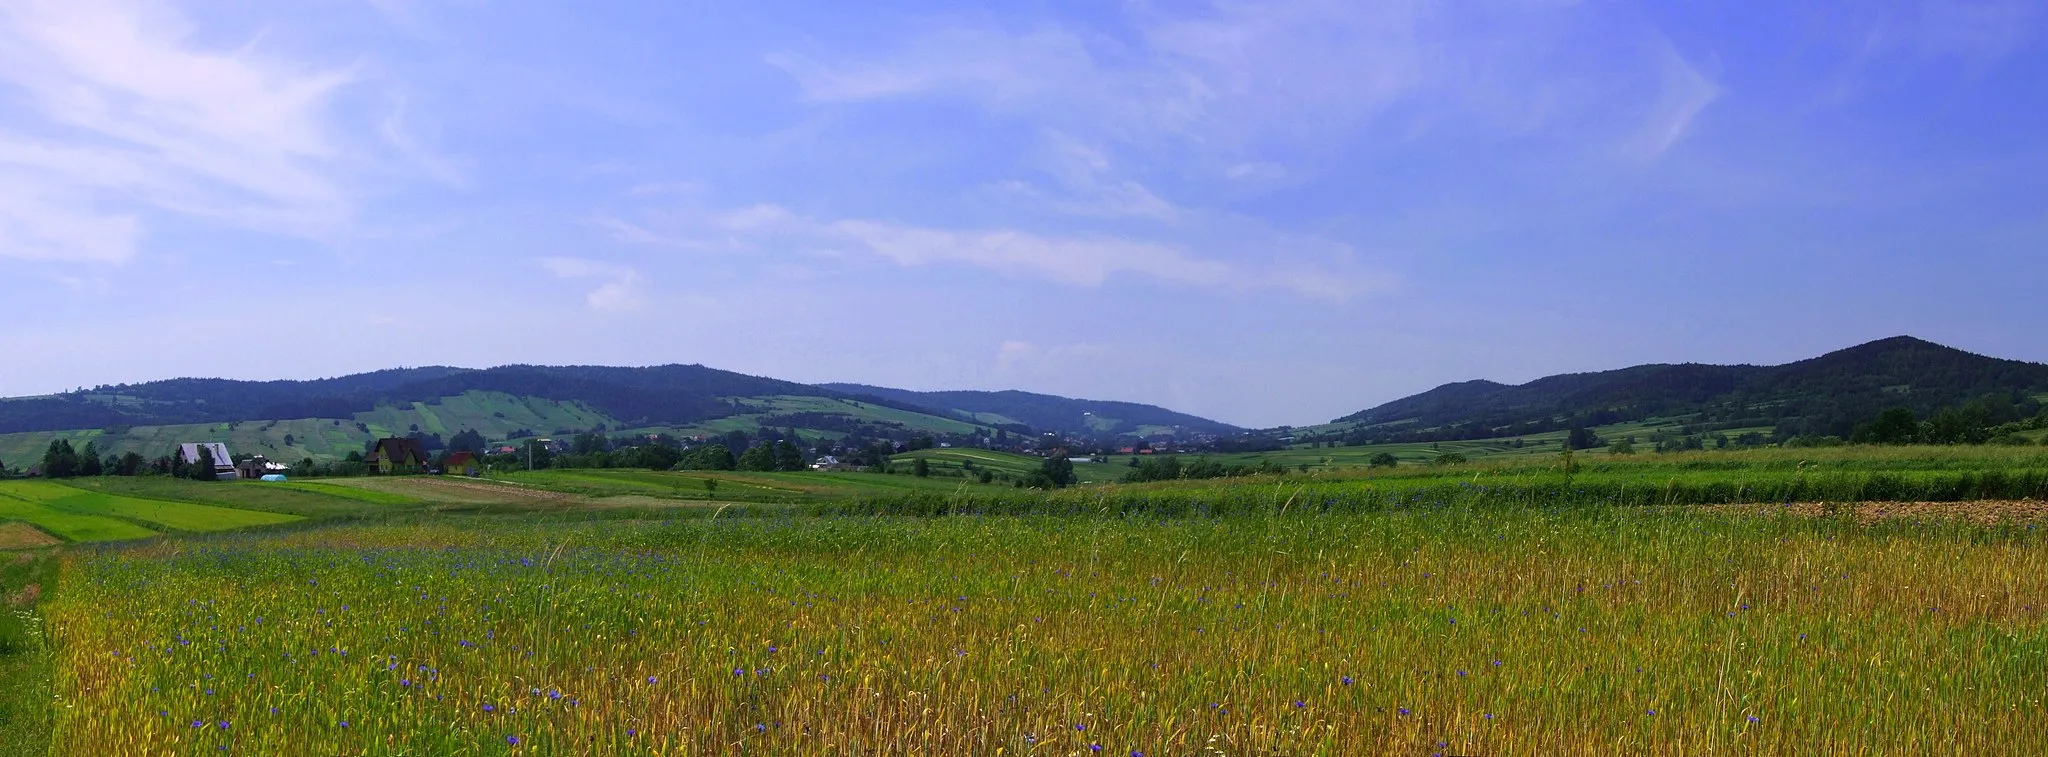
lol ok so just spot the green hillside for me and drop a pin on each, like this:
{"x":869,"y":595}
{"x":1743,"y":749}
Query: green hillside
{"x":493,"y":414}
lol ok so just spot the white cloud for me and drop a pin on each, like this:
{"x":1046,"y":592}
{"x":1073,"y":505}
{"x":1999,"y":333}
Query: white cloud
{"x":127,"y":106}
{"x":1682,"y":93}
{"x":621,"y":290}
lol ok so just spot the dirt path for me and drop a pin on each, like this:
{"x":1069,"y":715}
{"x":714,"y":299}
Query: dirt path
{"x":1983,"y":511}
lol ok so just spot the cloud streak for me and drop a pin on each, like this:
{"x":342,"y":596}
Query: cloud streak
{"x":129,"y":108}
{"x":620,"y":290}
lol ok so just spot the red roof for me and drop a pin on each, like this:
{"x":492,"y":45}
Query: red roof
{"x":458,"y":459}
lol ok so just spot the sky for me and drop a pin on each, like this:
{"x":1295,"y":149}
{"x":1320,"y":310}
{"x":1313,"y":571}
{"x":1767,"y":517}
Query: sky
{"x":1266,"y":213}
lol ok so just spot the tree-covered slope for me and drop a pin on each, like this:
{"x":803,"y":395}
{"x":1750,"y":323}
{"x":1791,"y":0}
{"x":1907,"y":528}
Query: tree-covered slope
{"x":1828,"y":395}
{"x":668,"y":394}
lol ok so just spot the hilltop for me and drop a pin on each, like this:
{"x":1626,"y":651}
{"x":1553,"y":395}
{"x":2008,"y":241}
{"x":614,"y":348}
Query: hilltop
{"x":1826,"y":395}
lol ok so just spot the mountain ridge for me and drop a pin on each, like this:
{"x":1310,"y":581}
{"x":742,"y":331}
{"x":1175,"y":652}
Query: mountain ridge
{"x":1823,"y":395}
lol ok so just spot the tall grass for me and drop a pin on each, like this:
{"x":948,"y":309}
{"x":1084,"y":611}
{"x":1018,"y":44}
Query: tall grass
{"x":1449,"y":628}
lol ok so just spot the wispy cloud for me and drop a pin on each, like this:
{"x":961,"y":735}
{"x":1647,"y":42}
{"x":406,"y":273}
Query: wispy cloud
{"x":1079,"y":260}
{"x":621,"y":289}
{"x":130,"y":107}
{"x":1682,"y":93}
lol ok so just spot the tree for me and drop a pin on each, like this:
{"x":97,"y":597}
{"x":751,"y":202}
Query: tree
{"x":60,"y":460}
{"x":1582,"y":438}
{"x":1894,"y":426}
{"x":707,"y":457}
{"x":203,"y":470}
{"x":788,"y":456}
{"x":1059,"y":470}
{"x":760,"y":457}
{"x":1621,"y":447}
{"x":987,"y":476}
{"x":1383,"y":460}
{"x":466,"y":440}
{"x":921,"y":468}
{"x":1449,"y":458}
{"x":89,"y":463}
{"x":289,"y":440}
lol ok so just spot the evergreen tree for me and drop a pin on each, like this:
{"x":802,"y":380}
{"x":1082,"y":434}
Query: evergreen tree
{"x":203,"y":470}
{"x":921,"y":468}
{"x":60,"y":460}
{"x":89,"y":461}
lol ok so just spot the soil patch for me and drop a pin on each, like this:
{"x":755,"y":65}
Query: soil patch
{"x":1982,"y":511}
{"x":24,"y":536}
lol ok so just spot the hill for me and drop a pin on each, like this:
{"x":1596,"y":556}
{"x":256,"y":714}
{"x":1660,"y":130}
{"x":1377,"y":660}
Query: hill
{"x":327,"y":418}
{"x":1827,"y":395}
{"x":1046,"y":412}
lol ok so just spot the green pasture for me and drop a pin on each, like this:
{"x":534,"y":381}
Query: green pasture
{"x":52,"y":497}
{"x":951,"y":462}
{"x":732,"y":486}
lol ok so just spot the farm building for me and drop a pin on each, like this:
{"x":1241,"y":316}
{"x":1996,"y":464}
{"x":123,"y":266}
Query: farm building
{"x":830,"y":463}
{"x":462,"y":464}
{"x":223,"y":464}
{"x":258,"y":467}
{"x":397,"y":455}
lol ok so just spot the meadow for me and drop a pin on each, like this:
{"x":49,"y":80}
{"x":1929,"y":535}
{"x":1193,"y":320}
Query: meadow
{"x":1499,"y":608}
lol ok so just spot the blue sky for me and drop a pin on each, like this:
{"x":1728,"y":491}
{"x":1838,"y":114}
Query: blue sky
{"x":1263,"y":212}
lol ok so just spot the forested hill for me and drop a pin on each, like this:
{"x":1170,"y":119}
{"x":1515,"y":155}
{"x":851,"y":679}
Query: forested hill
{"x":1827,"y":395}
{"x":668,"y":394}
{"x":1046,"y":412}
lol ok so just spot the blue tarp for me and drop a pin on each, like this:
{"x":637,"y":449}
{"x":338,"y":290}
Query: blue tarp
{"x":273,"y":478}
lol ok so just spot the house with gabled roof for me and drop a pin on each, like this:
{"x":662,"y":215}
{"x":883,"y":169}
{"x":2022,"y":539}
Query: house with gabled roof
{"x":397,"y":454}
{"x":223,"y":464}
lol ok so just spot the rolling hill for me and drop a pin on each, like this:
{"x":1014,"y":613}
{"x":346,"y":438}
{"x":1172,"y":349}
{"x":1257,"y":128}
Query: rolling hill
{"x":1827,"y":395}
{"x":1046,"y":412}
{"x":327,"y":418}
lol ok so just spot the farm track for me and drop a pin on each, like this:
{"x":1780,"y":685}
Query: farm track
{"x":1982,"y":511}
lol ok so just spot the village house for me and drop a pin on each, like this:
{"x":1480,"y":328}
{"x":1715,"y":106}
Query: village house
{"x":462,"y":464}
{"x":257,"y":467}
{"x":223,"y":465}
{"x":397,"y":455}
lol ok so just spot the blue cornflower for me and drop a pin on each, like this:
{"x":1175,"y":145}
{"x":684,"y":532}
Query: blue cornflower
{"x":513,"y":740}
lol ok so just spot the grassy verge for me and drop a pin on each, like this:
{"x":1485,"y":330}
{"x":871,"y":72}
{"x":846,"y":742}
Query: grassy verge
{"x":25,"y":660}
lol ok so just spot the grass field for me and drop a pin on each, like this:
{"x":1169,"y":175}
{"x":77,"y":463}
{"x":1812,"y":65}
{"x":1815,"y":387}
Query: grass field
{"x":1491,"y":631}
{"x":1504,"y":607}
{"x":950,"y":461}
{"x":86,"y":514}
